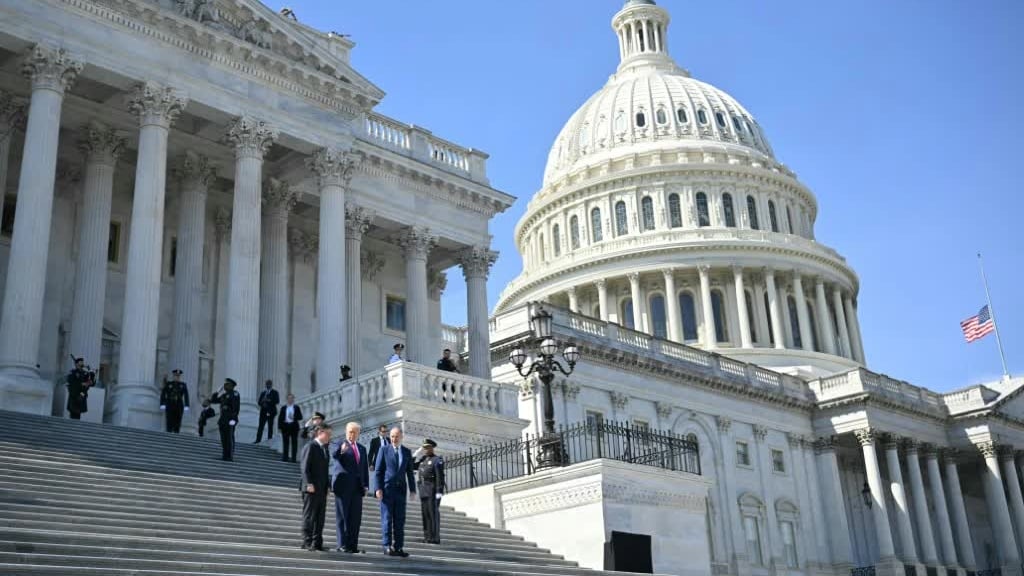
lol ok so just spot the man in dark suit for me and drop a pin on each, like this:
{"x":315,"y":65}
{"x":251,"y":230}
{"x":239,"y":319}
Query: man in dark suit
{"x":315,"y":467}
{"x":350,"y":479}
{"x":394,"y":478}
{"x":288,"y":423}
{"x":268,"y":401}
{"x":376,"y":443}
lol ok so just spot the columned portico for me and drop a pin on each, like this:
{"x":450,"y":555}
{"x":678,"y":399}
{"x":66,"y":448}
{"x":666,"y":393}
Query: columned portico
{"x":476,"y":265}
{"x":417,"y":242}
{"x":357,"y":222}
{"x":135,"y":398}
{"x":278,"y":202}
{"x":52,"y":71}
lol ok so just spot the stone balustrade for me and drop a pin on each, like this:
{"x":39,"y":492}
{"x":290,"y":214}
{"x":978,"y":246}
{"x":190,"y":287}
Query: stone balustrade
{"x":860,"y":381}
{"x":420,"y":144}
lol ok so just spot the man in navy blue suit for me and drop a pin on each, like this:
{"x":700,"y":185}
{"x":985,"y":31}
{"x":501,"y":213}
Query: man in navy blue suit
{"x":394,"y":479}
{"x":350,"y":479}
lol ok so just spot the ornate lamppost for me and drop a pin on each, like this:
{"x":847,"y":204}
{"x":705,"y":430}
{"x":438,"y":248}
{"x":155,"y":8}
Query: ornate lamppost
{"x":546,"y":366}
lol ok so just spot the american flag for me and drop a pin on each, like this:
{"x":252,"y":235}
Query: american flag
{"x":978,"y":326}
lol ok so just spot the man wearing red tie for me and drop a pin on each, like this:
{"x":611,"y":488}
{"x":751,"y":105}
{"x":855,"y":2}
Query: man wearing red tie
{"x":350,"y":478}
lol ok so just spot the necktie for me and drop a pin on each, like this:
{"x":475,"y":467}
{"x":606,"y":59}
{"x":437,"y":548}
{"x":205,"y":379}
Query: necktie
{"x":355,"y":450}
{"x":326,"y":453}
{"x":398,"y":455}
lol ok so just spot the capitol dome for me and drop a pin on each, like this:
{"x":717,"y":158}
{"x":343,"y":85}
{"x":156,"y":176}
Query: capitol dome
{"x":664,"y":210}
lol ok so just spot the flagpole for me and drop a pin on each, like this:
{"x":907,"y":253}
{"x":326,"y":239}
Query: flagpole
{"x":992,"y":313}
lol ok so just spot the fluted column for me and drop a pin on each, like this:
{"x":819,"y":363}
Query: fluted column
{"x":357,"y":222}
{"x":899,"y":496}
{"x":135,"y":397}
{"x":774,"y":309}
{"x":841,"y":328}
{"x":833,"y":499}
{"x":222,"y":232}
{"x":12,"y":115}
{"x":67,"y":192}
{"x":635,"y":300}
{"x":102,"y":147}
{"x":825,"y":332}
{"x":416,"y":243}
{"x":278,"y":201}
{"x":999,"y":509}
{"x":942,"y":519}
{"x":924,"y":522}
{"x":856,"y":346}
{"x":574,"y":302}
{"x":802,"y":315}
{"x":252,"y":138}
{"x":742,"y":313}
{"x":675,"y":319}
{"x":1013,"y":488}
{"x":51,"y":72}
{"x":958,"y":512}
{"x":886,"y":549}
{"x":476,"y":264}
{"x":710,"y":338}
{"x":194,"y":174}
{"x":602,"y":298}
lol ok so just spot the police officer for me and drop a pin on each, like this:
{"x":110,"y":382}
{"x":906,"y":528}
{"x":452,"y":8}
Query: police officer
{"x":79,"y":381}
{"x":230,"y":403}
{"x":174,"y":401}
{"x":430,"y":484}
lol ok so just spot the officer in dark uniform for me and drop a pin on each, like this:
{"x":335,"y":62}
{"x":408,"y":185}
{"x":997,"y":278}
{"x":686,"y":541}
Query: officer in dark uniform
{"x":312,"y":423}
{"x":79,"y":381}
{"x":230,"y":403}
{"x":204,"y":416}
{"x":174,"y":401}
{"x":430,"y":484}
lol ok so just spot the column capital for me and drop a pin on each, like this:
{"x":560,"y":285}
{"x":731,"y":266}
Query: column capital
{"x":891,"y":441}
{"x":250,"y":136}
{"x":737,"y":270}
{"x":794,"y":440}
{"x":664,"y":409}
{"x":826,"y":444}
{"x":769,"y":273}
{"x":929,"y":450}
{"x":417,"y":242}
{"x":333,"y":166}
{"x":66,"y":181}
{"x":303,"y":245}
{"x":669,"y":274}
{"x":724,"y":423}
{"x":1005,"y":452}
{"x":948,"y":455}
{"x":12,"y":113}
{"x":866,"y":436}
{"x":370,"y":264}
{"x":156,"y":104}
{"x":760,"y":432}
{"x":619,"y":399}
{"x":357,"y":220}
{"x":633,"y":276}
{"x":50,"y":68}
{"x":222,"y":224}
{"x":988,"y":449}
{"x":194,"y":170}
{"x":476,"y":261}
{"x":797,"y":276}
{"x":601,"y":284}
{"x":911,"y":445}
{"x":437,"y":281}
{"x":278,"y":198}
{"x":704,"y":269}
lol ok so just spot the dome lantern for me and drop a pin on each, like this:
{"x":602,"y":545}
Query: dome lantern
{"x":642,"y":29}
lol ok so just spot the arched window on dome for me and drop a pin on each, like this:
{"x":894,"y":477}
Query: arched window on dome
{"x":789,"y":220}
{"x":736,"y":124}
{"x":602,"y":130}
{"x":621,"y":224}
{"x":681,"y":116}
{"x":718,"y":310}
{"x":752,"y":213}
{"x":595,"y":225}
{"x":812,"y":319}
{"x":772,"y":216}
{"x":675,"y":213}
{"x":751,"y":317}
{"x":556,"y":239}
{"x":720,"y":118}
{"x":647,"y":208}
{"x":703,"y":219}
{"x":658,"y":319}
{"x":584,"y":137}
{"x":620,"y":122}
{"x":661,"y":117}
{"x":702,"y":116}
{"x":626,"y":313}
{"x":641,"y":119}
{"x":727,"y":209}
{"x":574,"y":232}
{"x":794,"y":323}
{"x":689,"y":312}
{"x":768,"y":308}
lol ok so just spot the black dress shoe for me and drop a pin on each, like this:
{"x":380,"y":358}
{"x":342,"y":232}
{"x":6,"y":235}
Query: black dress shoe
{"x":399,"y":553}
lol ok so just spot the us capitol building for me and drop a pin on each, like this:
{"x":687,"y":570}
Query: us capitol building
{"x":204,"y":185}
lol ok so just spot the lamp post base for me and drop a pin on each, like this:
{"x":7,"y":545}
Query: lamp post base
{"x":551,"y":454}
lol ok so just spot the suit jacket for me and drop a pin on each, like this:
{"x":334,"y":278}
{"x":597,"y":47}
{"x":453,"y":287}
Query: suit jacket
{"x":315,"y":467}
{"x":296,"y":418}
{"x":268,"y":401}
{"x":375,"y":445}
{"x":392,"y":476}
{"x":346,"y":475}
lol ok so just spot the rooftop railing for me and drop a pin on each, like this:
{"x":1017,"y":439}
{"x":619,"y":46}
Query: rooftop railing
{"x":420,"y":144}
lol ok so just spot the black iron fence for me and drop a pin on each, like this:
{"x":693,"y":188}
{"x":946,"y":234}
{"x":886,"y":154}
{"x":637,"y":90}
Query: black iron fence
{"x":580,"y":443}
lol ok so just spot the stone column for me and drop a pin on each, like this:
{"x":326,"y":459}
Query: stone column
{"x":416,"y":243}
{"x":1013,"y":488}
{"x":303,"y":317}
{"x":67,"y":192}
{"x":842,"y":328}
{"x":476,"y":264}
{"x":732,"y":512}
{"x":194,"y":174}
{"x":222,"y":229}
{"x":833,"y":499}
{"x":135,"y":398}
{"x":710,"y":338}
{"x":636,"y":298}
{"x":102,"y":146}
{"x":675,"y":319}
{"x":774,"y":310}
{"x":803,"y":317}
{"x":825,"y":332}
{"x":252,"y":138}
{"x":334,"y":169}
{"x":743,"y":315}
{"x":924,"y":522}
{"x":815,"y":496}
{"x":51,"y":71}
{"x":856,"y":346}
{"x":12,"y":116}
{"x":958,"y":511}
{"x":999,"y":509}
{"x":574,"y":302}
{"x":602,"y":298}
{"x":278,"y":201}
{"x":941,"y":511}
{"x":357,"y":222}
{"x":899,"y":496}
{"x":866,"y":437}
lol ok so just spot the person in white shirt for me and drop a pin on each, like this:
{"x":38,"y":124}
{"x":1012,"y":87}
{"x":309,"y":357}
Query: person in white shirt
{"x":288,"y":423}
{"x":399,"y":349}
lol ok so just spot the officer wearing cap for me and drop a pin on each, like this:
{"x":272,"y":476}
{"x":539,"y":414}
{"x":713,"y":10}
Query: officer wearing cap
{"x":174,"y":401}
{"x":230,"y":403}
{"x":313,"y":422}
{"x":79,"y":381}
{"x":430,"y":484}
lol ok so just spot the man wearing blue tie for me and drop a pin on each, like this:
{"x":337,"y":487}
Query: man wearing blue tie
{"x":350,"y":479}
{"x":394,"y":478}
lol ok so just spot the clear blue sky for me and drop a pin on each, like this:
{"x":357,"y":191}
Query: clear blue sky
{"x":903,"y":116}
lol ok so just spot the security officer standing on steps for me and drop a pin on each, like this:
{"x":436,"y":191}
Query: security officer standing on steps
{"x":430,"y":484}
{"x":174,"y":401}
{"x":79,"y":381}
{"x":230,"y":403}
